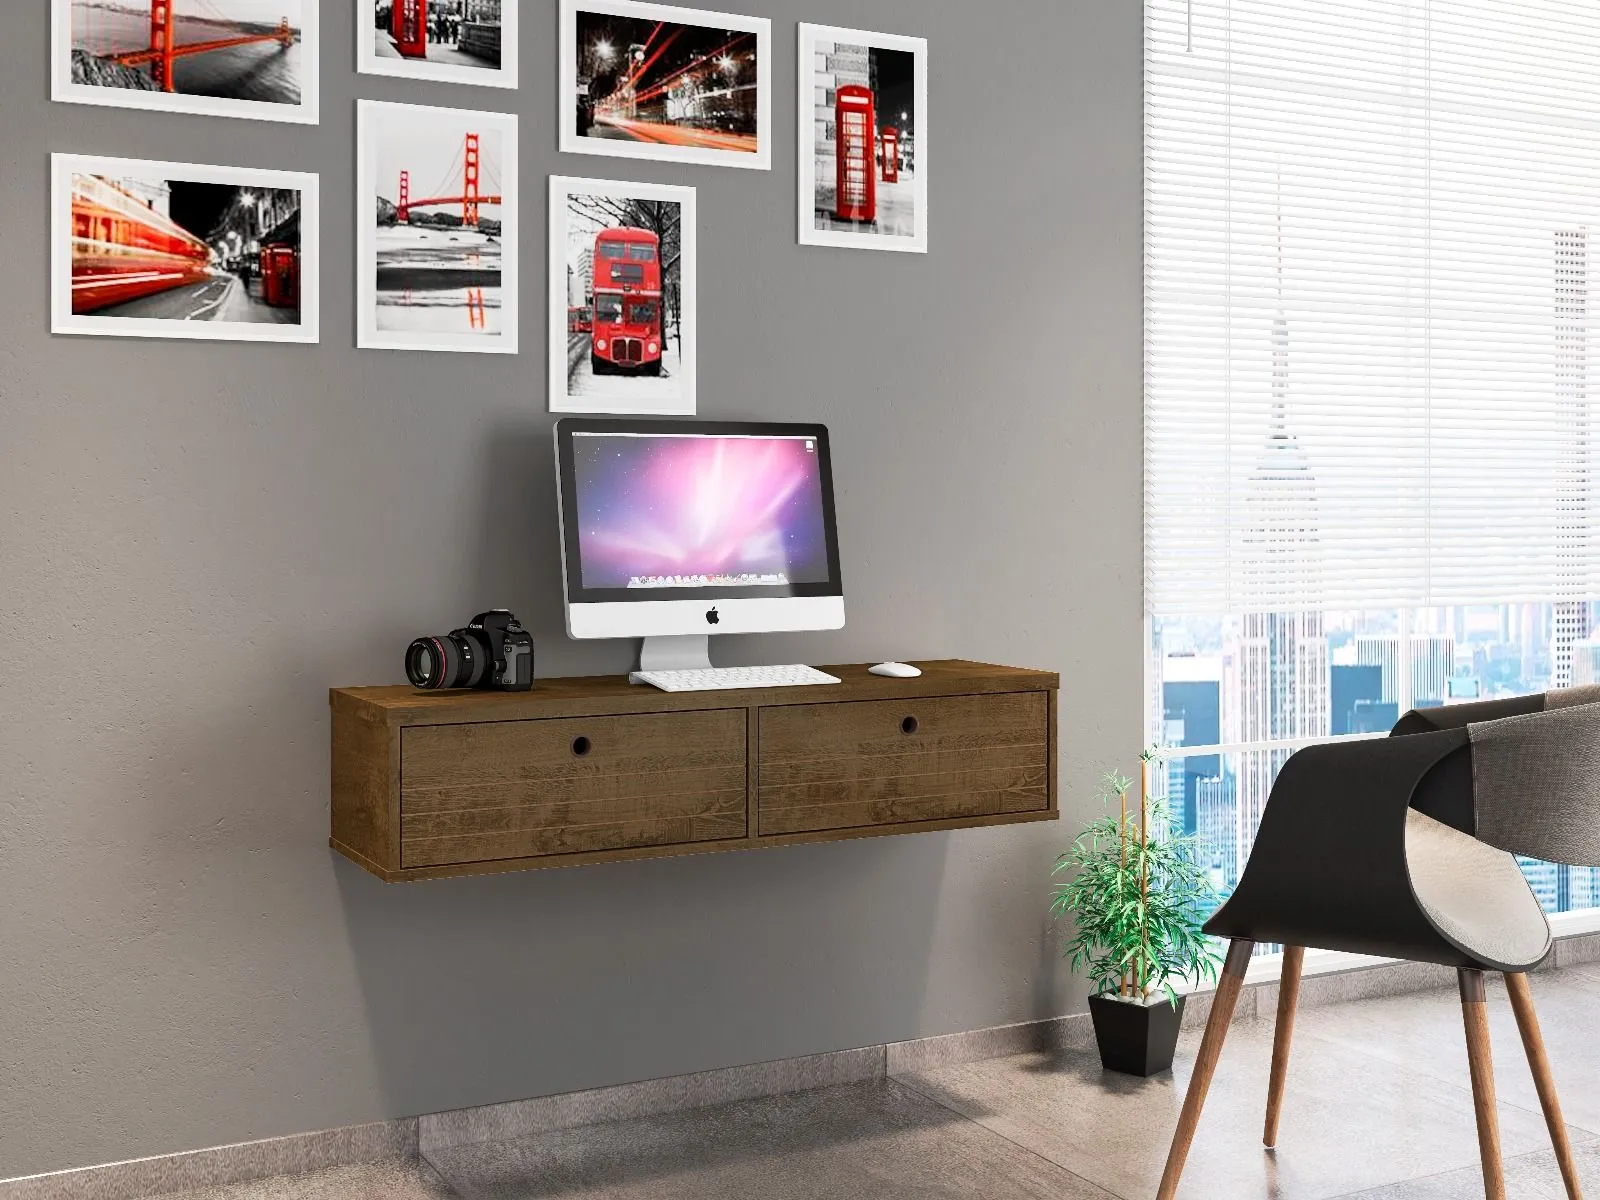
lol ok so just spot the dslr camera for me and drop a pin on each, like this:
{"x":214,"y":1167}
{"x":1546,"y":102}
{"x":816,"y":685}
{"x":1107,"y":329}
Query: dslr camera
{"x":492,"y":650}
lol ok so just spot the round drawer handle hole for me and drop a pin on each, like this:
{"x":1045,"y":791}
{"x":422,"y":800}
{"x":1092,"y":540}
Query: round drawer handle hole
{"x":908,"y":725}
{"x":581,"y":746}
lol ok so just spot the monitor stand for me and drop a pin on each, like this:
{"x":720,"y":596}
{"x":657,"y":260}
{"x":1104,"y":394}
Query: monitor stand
{"x":674,"y":652}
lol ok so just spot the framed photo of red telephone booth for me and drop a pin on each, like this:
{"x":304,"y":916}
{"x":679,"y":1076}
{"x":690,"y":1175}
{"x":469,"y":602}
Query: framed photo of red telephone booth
{"x":448,"y":41}
{"x":863,"y":139}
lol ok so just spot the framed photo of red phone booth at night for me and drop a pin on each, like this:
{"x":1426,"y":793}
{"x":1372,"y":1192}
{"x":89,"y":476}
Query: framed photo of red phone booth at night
{"x":863,"y":139}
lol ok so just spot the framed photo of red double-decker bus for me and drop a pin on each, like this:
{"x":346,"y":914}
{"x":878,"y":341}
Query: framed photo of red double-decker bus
{"x":622,"y":297}
{"x":863,"y":139}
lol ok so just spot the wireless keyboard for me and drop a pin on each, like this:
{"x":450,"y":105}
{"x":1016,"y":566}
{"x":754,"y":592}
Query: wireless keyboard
{"x":719,"y":679}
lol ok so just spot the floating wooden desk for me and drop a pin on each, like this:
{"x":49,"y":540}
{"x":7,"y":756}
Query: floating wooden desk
{"x":434,"y":784}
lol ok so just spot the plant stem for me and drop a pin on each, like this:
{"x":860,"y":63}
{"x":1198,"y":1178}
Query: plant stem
{"x":1123,"y":829}
{"x":1144,"y":871}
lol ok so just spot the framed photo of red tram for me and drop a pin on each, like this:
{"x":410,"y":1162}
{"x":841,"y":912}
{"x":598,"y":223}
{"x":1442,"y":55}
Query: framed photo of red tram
{"x":670,"y":84}
{"x":177,"y":250}
{"x":863,"y":139}
{"x":218,"y":58}
{"x":622,"y":297}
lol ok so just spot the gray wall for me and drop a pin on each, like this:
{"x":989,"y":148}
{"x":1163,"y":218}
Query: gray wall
{"x":196,"y":541}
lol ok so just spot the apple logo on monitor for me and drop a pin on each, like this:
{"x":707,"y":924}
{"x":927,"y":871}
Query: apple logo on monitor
{"x":712,"y":618}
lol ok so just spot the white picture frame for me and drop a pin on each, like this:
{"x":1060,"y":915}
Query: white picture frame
{"x":107,"y":35}
{"x":819,"y":76}
{"x":372,"y":60}
{"x":574,"y":387}
{"x":688,"y":142}
{"x":96,"y":261}
{"x":457,"y":287}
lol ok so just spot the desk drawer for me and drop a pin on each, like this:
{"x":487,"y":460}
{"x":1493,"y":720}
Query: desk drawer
{"x":892,"y":762}
{"x":515,"y":789}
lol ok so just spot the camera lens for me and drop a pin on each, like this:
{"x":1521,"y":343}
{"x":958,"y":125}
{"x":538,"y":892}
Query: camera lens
{"x":455,"y":660}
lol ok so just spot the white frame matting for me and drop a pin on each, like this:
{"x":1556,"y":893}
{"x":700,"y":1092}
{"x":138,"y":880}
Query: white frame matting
{"x":64,"y":321}
{"x":307,"y":112}
{"x":571,"y":142}
{"x":809,"y":235}
{"x":410,"y":117}
{"x":559,"y":345}
{"x":370,"y":62}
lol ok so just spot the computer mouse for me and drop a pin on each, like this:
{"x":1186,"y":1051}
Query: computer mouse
{"x":895,"y":670}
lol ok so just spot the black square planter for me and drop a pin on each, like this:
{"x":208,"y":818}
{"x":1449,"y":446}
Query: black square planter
{"x":1136,"y":1039}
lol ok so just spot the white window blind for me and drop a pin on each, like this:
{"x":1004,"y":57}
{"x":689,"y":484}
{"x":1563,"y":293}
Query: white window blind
{"x":1369,"y":233}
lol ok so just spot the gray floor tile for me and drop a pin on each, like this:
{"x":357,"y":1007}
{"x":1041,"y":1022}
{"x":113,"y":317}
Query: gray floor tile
{"x":1528,"y":1177}
{"x":1351,"y":1120}
{"x":876,"y":1140}
{"x":410,"y":1180}
{"x":1424,"y":1032}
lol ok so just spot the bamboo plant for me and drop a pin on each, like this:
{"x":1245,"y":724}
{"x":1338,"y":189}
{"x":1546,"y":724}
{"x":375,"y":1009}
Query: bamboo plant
{"x":1137,"y":897}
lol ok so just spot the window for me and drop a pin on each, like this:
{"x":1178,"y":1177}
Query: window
{"x":608,"y":309}
{"x":641,"y":252}
{"x":1370,"y":470}
{"x":642,"y":312}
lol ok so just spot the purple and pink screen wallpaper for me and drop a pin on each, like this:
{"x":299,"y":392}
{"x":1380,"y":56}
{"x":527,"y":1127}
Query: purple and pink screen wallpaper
{"x":659,"y":511}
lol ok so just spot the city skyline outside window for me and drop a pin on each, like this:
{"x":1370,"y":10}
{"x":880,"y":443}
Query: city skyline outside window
{"x":1370,"y":481}
{"x":1233,"y":697}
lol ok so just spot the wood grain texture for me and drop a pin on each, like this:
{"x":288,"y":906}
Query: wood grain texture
{"x":604,"y":695}
{"x":1229,"y":984}
{"x":492,"y":783}
{"x":838,"y":766}
{"x":1480,"y":1064}
{"x":364,"y":801}
{"x":1282,"y":1035}
{"x":1544,"y":1083}
{"x":514,"y":789}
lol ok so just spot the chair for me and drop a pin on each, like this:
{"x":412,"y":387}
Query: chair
{"x":1403,"y":847}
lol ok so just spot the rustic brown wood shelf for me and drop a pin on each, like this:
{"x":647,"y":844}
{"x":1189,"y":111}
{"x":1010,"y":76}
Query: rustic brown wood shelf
{"x":428,"y":785}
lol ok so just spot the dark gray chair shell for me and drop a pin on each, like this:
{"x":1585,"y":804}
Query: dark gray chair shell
{"x":1405,"y":847}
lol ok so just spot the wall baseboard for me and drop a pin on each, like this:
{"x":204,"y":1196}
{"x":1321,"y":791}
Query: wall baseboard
{"x":411,"y":1137}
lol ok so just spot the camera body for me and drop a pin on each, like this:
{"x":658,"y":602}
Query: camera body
{"x":491,"y":651}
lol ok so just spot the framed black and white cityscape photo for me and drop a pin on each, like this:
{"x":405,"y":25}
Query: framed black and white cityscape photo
{"x":671,"y":84}
{"x":218,"y":58}
{"x":436,"y":228}
{"x":622,"y":297}
{"x":447,"y":41}
{"x":863,"y":139}
{"x":181,"y":250}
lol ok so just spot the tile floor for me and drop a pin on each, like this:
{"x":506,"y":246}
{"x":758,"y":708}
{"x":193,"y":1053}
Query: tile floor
{"x":1378,"y":1108}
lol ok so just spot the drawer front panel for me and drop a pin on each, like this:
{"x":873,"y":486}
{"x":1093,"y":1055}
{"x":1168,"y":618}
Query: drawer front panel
{"x":515,"y":789}
{"x":853,"y":764}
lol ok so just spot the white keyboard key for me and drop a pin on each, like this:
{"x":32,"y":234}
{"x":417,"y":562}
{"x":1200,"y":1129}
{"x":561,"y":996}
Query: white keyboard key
{"x":720,"y":679}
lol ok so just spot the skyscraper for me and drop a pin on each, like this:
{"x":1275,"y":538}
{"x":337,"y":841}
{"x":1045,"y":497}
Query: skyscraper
{"x":1280,"y":658}
{"x":1191,"y":701}
{"x":1349,"y":685}
{"x":1572,"y":617}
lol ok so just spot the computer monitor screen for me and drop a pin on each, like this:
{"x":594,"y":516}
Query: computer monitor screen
{"x":660,"y":511}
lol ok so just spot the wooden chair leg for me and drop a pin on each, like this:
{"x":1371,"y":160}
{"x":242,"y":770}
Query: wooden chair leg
{"x":1205,"y":1063}
{"x":1475,"y":1016}
{"x":1288,"y":998}
{"x":1533,"y":1044}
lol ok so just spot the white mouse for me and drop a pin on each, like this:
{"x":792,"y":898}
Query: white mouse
{"x":895,"y":670}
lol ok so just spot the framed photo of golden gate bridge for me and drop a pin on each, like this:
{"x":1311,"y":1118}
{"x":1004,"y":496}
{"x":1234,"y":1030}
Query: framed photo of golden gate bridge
{"x":179,"y":250}
{"x":220,"y":58}
{"x":436,"y":228}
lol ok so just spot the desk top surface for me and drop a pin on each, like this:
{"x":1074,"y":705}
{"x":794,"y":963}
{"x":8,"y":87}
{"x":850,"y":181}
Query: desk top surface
{"x":578,"y":696}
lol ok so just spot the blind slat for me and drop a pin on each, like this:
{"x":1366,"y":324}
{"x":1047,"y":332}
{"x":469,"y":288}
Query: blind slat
{"x":1368,"y":235}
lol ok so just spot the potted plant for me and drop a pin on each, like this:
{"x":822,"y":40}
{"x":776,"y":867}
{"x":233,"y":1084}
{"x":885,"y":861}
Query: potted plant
{"x":1138,"y":899}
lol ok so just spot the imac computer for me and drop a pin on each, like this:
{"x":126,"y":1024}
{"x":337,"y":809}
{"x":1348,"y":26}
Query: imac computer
{"x":673,"y":530}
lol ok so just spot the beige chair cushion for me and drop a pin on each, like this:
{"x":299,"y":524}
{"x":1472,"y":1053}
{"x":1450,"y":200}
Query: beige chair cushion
{"x":1475,"y":895}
